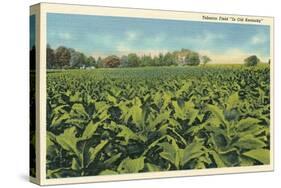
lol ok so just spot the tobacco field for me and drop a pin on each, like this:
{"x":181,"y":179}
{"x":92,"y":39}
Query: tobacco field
{"x":133,"y":120}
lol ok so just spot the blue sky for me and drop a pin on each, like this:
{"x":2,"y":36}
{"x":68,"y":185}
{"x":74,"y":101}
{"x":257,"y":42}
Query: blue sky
{"x":104,"y":35}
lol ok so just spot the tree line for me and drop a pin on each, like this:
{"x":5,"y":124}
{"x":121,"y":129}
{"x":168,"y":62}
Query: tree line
{"x":68,"y":58}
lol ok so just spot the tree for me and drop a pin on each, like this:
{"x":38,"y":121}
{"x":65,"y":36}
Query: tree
{"x":82,"y":60}
{"x":251,"y":60}
{"x":169,"y":59}
{"x":205,"y":59}
{"x":62,"y":57}
{"x":50,"y":57}
{"x":91,"y":62}
{"x":124,"y":61}
{"x":99,"y":62}
{"x":77,"y":59}
{"x":192,"y":59}
{"x":133,"y":60}
{"x":146,"y":60}
{"x":155,"y":61}
{"x":73,"y":57}
{"x":161,"y":61}
{"x":111,"y":61}
{"x":180,"y":56}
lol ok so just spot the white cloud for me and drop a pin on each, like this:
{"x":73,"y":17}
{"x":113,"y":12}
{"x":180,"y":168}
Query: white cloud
{"x":259,"y":38}
{"x":103,"y":39}
{"x":123,"y":47}
{"x":61,"y":35}
{"x":205,"y":39}
{"x":132,"y":35}
{"x":64,"y":35}
{"x":135,"y":43}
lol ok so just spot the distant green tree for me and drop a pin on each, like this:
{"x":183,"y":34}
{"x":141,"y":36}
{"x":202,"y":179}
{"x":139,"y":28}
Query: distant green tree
{"x":169,"y":59}
{"x":91,"y":62}
{"x":161,"y":61}
{"x":251,"y":60}
{"x":192,"y":59}
{"x":111,"y":61}
{"x":205,"y":59}
{"x":83,"y":60}
{"x":73,"y":57}
{"x":124,"y":61}
{"x":133,"y":60}
{"x":146,"y":60}
{"x":155,"y":61}
{"x":99,"y":62}
{"x":62,"y":57}
{"x":77,"y":59}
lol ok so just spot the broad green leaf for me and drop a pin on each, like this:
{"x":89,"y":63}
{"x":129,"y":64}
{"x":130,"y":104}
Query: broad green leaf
{"x":171,"y":153}
{"x":94,"y":151}
{"x":68,"y":140}
{"x":191,"y":151}
{"x":179,"y":113}
{"x":152,"y":167}
{"x":217,"y":113}
{"x":125,"y":111}
{"x":75,"y":164}
{"x":249,"y":142}
{"x":231,"y":157}
{"x":112,"y":99}
{"x":192,"y":116}
{"x":157,"y":98}
{"x":137,"y":115}
{"x":101,"y":106}
{"x":246,"y":161}
{"x":160,"y":118}
{"x":58,"y":120}
{"x":76,"y":97}
{"x":166,"y":100}
{"x":137,"y":102}
{"x":219,"y":162}
{"x":128,"y":134}
{"x":76,"y":122}
{"x":58,"y":110}
{"x":232,"y":101}
{"x":189,"y":105}
{"x":129,"y":165}
{"x":78,"y":110}
{"x":101,"y":111}
{"x":90,"y":130}
{"x":248,"y":123}
{"x":112,"y":159}
{"x":261,"y":155}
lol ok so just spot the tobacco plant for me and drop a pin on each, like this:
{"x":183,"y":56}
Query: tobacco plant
{"x":115,"y":121}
